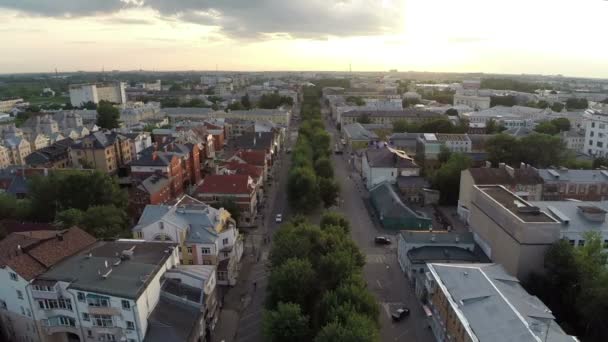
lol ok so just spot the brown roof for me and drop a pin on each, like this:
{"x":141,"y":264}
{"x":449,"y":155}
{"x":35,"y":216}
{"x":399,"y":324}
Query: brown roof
{"x":243,"y":169}
{"x":253,"y":157}
{"x":486,"y":176}
{"x":32,"y":253}
{"x":12,"y":226}
{"x":225,"y":184}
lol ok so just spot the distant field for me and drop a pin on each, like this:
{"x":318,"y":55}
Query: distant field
{"x":41,"y":100}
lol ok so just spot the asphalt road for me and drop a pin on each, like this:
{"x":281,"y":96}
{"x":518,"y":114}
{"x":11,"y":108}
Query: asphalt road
{"x":382,"y":273}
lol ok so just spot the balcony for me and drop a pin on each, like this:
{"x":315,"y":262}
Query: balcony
{"x":42,"y":289}
{"x":104,"y":310}
{"x":50,"y":330}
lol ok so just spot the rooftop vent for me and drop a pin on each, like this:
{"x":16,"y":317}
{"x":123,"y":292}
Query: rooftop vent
{"x":592,"y":213}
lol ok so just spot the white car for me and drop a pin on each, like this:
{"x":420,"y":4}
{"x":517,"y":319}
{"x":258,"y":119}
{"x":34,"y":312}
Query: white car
{"x":278,"y":218}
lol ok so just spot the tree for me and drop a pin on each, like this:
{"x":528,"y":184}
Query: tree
{"x":328,"y":191}
{"x":557,"y":107}
{"x":447,"y":178}
{"x":334,"y":219}
{"x":68,"y":106}
{"x":323,"y":168}
{"x":562,"y":124}
{"x":444,"y":154}
{"x":107,"y":115}
{"x":599,"y":162}
{"x":542,"y":104}
{"x":356,"y":100}
{"x":302,"y":189}
{"x":235,"y":106}
{"x":69,"y":218}
{"x":400,"y":126}
{"x":410,"y":102}
{"x":229,"y":204}
{"x":492,"y":127}
{"x":354,"y":295}
{"x":105,"y":221}
{"x":451,"y":112}
{"x":364,"y":119}
{"x":286,"y":323}
{"x":546,"y":127}
{"x":507,"y":100}
{"x":356,"y":328}
{"x":574,"y":103}
{"x":215,"y":106}
{"x":89,"y":105}
{"x":246,"y":102}
{"x":541,"y":150}
{"x":293,"y":281}
{"x":437,"y":126}
{"x":176,"y":87}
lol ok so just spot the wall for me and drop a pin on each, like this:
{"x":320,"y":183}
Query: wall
{"x":17,"y":318}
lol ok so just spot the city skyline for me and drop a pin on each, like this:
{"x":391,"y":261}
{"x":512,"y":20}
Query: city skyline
{"x":544,"y":37}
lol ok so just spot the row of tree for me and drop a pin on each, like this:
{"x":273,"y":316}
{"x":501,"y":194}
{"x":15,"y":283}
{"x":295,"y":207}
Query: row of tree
{"x":274,"y":100}
{"x":537,"y":149}
{"x":59,"y":198}
{"x":311,"y":178}
{"x":554,"y":126}
{"x":316,"y":290}
{"x":575,"y":286}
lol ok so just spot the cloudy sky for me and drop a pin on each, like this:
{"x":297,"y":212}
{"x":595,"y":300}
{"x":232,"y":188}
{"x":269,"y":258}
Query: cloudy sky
{"x":517,"y":36}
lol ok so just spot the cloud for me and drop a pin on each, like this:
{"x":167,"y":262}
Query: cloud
{"x":129,"y":21}
{"x":466,"y":40}
{"x":245,"y":18}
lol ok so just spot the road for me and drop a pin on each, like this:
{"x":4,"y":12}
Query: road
{"x":382,"y":273}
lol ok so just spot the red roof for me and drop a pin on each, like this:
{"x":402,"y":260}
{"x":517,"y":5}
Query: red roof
{"x":252,"y":171}
{"x":225,"y":184}
{"x":253,"y":157}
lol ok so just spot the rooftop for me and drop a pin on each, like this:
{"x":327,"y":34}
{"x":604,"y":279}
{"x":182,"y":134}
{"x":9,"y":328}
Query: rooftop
{"x":573,"y":217}
{"x":226,"y":184}
{"x":493,"y":306}
{"x":389,"y":204}
{"x":441,"y":237}
{"x":445,"y":254}
{"x":488,"y":175}
{"x":382,"y":157}
{"x":391,"y":113}
{"x":171,"y":321}
{"x":515,"y":204}
{"x":120,"y":268}
{"x":357,"y":132}
{"x":574,"y":176}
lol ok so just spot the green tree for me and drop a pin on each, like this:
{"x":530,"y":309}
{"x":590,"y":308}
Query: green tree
{"x":541,"y":150}
{"x":557,"y":106}
{"x":356,"y":328}
{"x":574,"y":103}
{"x":334,"y":219}
{"x":562,"y":124}
{"x":400,"y":126}
{"x":176,"y":87}
{"x":356,"y":100}
{"x":447,"y":178}
{"x":542,"y":104}
{"x":302,"y":189}
{"x":328,"y":191}
{"x":323,"y":168}
{"x":491,"y":127}
{"x":546,"y":127}
{"x":8,"y":205}
{"x":105,"y":221}
{"x":246,"y":102}
{"x":107,"y":115}
{"x":364,"y":119}
{"x":599,"y":162}
{"x":444,"y":154}
{"x":451,"y":112}
{"x":229,"y":204}
{"x":235,"y":106}
{"x":410,"y":102}
{"x":355,"y":297}
{"x":292,"y":281}
{"x":286,"y":323}
{"x":89,"y":105}
{"x":437,"y":126}
{"x":69,"y":218}
{"x":507,"y":100}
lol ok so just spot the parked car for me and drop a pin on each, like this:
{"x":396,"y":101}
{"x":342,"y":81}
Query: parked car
{"x":400,"y":313}
{"x":382,"y":240}
{"x":278,"y":218}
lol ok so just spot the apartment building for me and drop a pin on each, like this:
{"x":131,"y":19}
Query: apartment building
{"x":384,"y":164}
{"x":482,"y":302}
{"x":510,"y":230}
{"x":84,"y":93}
{"x":240,"y":188}
{"x":389,"y":116}
{"x":256,"y":158}
{"x":475,"y":102}
{"x":205,"y":235}
{"x":18,"y":148}
{"x":163,"y":164}
{"x":55,"y":156}
{"x":124,"y":290}
{"x":155,"y":189}
{"x":25,"y":256}
{"x":585,"y":185}
{"x":5,"y":160}
{"x":104,"y":151}
{"x":596,"y":134}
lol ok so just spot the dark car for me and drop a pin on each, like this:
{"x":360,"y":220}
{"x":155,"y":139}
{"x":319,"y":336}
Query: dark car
{"x":382,"y":240}
{"x":400,"y":313}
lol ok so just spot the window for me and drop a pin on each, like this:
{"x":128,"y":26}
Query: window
{"x":43,"y":288}
{"x":179,"y":249}
{"x":189,"y":249}
{"x":89,"y":333}
{"x":80,"y":296}
{"x":581,"y":243}
{"x":226,"y":254}
{"x":600,"y":144}
{"x":591,"y":142}
{"x":605,"y":243}
{"x":572,"y":242}
{"x":139,"y":235}
{"x":593,"y":125}
{"x":86,"y":317}
{"x":19,"y":294}
{"x":130,"y":325}
{"x":126,"y":305}
{"x":29,"y":312}
{"x":50,"y":304}
{"x":161,"y":225}
{"x":206,"y":262}
{"x":22,"y":311}
{"x":102,"y":321}
{"x":2,"y":304}
{"x":13,"y":276}
{"x":602,"y":126}
{"x":107,"y":337}
{"x":99,"y":301}
{"x":206,"y":250}
{"x":225,"y":241}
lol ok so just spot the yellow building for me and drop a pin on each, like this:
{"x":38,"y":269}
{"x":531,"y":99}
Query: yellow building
{"x":104,"y":151}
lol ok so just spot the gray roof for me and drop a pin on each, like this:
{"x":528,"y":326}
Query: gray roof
{"x":261,"y":112}
{"x":574,"y":176}
{"x":389,"y":204}
{"x":519,"y":131}
{"x":187,"y":111}
{"x":171,"y":321}
{"x":198,"y":217}
{"x":494,"y":306}
{"x":154,"y":183}
{"x":412,"y":181}
{"x":423,"y":237}
{"x":83,"y":270}
{"x":383,"y":158}
{"x":444,"y":254}
{"x":394,"y":113}
{"x":357,"y":132}
{"x":569,"y":211}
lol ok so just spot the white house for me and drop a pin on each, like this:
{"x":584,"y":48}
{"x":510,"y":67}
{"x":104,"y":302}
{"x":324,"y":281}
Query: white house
{"x":381,"y":164}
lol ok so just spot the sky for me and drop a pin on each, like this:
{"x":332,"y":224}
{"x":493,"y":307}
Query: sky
{"x":518,"y":36}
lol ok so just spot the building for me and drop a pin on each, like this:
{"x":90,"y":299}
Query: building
{"x":523,"y":182}
{"x":596,"y":134}
{"x":160,"y":163}
{"x":119,"y":288}
{"x":391,"y":211}
{"x":55,"y":156}
{"x":584,"y":185}
{"x":156,"y":189}
{"x":239,"y":188}
{"x":574,"y":140}
{"x":139,"y":142}
{"x":410,"y":115}
{"x":84,"y":93}
{"x":384,"y":164}
{"x":5,"y":159}
{"x":278,"y":116}
{"x":205,"y":235}
{"x":475,"y":102}
{"x":7,"y":104}
{"x":256,"y":158}
{"x":578,"y":218}
{"x":482,"y":302}
{"x":412,"y":188}
{"x":104,"y":151}
{"x":25,"y":256}
{"x":187,"y":113}
{"x":406,"y":142}
{"x":357,"y":137}
{"x":18,"y":148}
{"x":510,"y":230}
{"x":416,"y":249}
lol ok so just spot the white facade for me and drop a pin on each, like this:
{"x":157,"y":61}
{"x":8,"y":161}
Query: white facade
{"x":15,"y":311}
{"x":83,"y":93}
{"x":475,"y":102}
{"x":596,"y":135}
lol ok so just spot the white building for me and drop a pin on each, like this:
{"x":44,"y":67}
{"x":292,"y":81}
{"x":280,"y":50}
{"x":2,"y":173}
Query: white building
{"x":596,"y":134}
{"x":475,"y":102}
{"x":154,"y":86}
{"x":7,"y":105}
{"x":386,"y":165}
{"x":84,"y":93}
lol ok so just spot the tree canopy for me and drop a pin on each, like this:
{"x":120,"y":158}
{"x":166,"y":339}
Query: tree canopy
{"x":574,"y":103}
{"x":539,"y":150}
{"x":447,"y":178}
{"x":286,"y":323}
{"x":107,"y":115}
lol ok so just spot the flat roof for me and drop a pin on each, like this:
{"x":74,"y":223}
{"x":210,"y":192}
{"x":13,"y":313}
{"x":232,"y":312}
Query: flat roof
{"x":568,"y":213}
{"x":515,"y":204}
{"x":125,"y":277}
